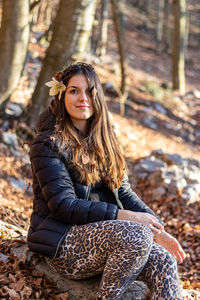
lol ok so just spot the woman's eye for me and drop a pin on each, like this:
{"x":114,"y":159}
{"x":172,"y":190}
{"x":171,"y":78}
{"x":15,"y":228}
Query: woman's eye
{"x":74,"y":91}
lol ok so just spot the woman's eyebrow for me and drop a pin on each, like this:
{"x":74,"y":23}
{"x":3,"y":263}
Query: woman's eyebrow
{"x":72,"y":86}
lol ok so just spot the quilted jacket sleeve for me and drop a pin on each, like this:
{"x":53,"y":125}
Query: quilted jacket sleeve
{"x":131,"y":201}
{"x":58,"y":190}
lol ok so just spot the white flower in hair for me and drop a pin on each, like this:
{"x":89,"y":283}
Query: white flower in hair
{"x":56,"y":87}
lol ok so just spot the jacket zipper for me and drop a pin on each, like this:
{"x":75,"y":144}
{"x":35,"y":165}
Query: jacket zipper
{"x":60,"y":242}
{"x":117,"y":199}
{"x":88,"y":192}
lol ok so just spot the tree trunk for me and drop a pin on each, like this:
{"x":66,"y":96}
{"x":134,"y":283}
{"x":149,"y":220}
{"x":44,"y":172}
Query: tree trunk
{"x":84,"y":28}
{"x":166,"y":29}
{"x":14,"y":36}
{"x":68,"y":29}
{"x":179,"y":45}
{"x":159,"y":29}
{"x":142,"y":5}
{"x":104,"y":28}
{"x":148,"y":7}
{"x":116,"y":10}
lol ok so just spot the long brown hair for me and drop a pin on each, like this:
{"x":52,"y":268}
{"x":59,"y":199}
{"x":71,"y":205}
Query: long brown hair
{"x":97,"y":155}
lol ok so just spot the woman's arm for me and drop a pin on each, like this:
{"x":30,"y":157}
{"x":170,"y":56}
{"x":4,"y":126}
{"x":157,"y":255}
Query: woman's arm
{"x":58,"y":190}
{"x":137,"y":211}
{"x":132,"y":202}
{"x":141,"y":217}
{"x":171,"y":244}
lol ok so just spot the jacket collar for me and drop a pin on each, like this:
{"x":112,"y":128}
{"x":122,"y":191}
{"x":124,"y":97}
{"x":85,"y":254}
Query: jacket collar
{"x":46,"y":121}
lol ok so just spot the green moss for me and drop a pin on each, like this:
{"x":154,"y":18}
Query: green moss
{"x":154,"y":89}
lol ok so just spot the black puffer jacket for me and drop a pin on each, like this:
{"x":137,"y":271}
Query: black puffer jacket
{"x":60,"y":200}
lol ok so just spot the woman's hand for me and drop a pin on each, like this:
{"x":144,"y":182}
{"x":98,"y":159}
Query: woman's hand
{"x":140,"y":217}
{"x":171,"y":244}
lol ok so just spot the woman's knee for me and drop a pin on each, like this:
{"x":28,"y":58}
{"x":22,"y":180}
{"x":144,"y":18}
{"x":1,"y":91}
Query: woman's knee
{"x":163,"y":258}
{"x":137,"y":235}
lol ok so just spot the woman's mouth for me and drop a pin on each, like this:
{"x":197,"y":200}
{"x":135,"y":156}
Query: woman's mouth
{"x":83,"y":107}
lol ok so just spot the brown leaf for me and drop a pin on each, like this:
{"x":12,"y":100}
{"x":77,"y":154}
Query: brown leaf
{"x":62,"y":296}
{"x":11,"y":292}
{"x":26,"y":292}
{"x":38,"y":281}
{"x":12,"y":277}
{"x":17,"y":286}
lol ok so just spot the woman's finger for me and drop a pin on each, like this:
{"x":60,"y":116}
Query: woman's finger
{"x":181,"y":251}
{"x":177,"y":256}
{"x":158,"y":225}
{"x":155,"y":222}
{"x":154,"y":229}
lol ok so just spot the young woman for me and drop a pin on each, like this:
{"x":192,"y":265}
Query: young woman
{"x":86,"y":218}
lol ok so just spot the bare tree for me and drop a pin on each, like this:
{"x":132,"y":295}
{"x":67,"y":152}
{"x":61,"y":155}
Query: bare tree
{"x":84,"y":28}
{"x":117,"y":10}
{"x":69,"y":39}
{"x":159,"y":29}
{"x":14,"y":36}
{"x":103,"y":28}
{"x":166,"y":29}
{"x":179,"y":44}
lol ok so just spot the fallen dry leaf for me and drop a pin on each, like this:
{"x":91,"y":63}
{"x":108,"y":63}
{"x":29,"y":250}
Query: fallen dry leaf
{"x":18,"y":285}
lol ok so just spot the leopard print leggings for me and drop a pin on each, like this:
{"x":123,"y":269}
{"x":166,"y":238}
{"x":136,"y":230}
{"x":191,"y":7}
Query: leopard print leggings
{"x":123,"y":251}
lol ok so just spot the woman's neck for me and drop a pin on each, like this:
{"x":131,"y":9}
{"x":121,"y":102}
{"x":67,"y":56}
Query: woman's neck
{"x":82,"y":126}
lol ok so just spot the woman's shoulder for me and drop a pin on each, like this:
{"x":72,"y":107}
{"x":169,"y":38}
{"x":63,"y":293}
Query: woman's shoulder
{"x":42,"y":144}
{"x":46,"y":121}
{"x":45,"y":128}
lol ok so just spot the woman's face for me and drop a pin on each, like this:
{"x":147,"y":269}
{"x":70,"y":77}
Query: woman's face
{"x":78,"y":101}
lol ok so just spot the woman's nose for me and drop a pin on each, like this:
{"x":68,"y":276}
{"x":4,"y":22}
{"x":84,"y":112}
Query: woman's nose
{"x":83,"y":96}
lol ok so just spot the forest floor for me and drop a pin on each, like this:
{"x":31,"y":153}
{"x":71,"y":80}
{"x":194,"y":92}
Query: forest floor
{"x":173,"y":125}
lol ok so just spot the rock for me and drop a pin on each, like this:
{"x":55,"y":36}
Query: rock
{"x":87,"y":289}
{"x":15,"y":153}
{"x":169,"y":175}
{"x":3,"y":257}
{"x":156,"y":152}
{"x":5,"y":125}
{"x":197,"y":134}
{"x":17,"y":183}
{"x":14,"y":109}
{"x":10,"y":139}
{"x":168,"y":125}
{"x":25,"y":159}
{"x":142,"y":176}
{"x":110,"y":89}
{"x":77,"y":289}
{"x":190,"y":162}
{"x":155,"y":178}
{"x":191,"y":193}
{"x":192,"y":174}
{"x":158,"y":193}
{"x":196,"y":93}
{"x":180,"y":184}
{"x":175,"y":158}
{"x":149,"y":123}
{"x":22,"y":252}
{"x":150,"y":164}
{"x":147,"y":109}
{"x":160,"y":108}
{"x":3,"y":146}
